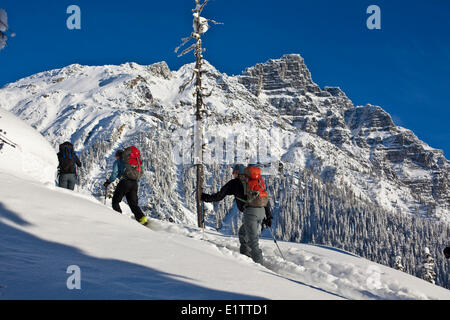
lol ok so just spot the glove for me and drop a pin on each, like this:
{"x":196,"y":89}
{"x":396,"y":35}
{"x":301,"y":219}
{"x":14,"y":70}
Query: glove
{"x":204,"y":197}
{"x":106,"y":184}
{"x":267,"y":221}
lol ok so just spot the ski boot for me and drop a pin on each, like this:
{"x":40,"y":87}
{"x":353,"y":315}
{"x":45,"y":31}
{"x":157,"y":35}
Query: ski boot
{"x":143,"y":221}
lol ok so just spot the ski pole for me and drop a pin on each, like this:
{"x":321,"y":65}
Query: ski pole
{"x":275,"y":240}
{"x":203,"y":221}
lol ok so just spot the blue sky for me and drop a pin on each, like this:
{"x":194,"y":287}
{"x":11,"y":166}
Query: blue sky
{"x":404,"y":67}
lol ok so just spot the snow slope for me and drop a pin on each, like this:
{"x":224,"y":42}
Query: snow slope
{"x":25,"y":153}
{"x":45,"y":229}
{"x":118,"y":257}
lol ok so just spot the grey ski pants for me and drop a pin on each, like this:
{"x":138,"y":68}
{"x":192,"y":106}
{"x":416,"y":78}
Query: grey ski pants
{"x":249,"y":233}
{"x":67,"y":180}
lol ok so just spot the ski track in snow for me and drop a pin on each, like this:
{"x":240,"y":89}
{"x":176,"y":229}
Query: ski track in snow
{"x":344,"y":280}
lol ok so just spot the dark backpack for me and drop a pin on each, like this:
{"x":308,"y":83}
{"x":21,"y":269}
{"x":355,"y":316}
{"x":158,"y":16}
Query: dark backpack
{"x":67,"y":157}
{"x":254,"y":187}
{"x":131,"y":157}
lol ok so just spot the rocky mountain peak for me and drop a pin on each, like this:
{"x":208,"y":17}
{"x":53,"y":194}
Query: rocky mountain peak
{"x":160,"y":69}
{"x":288,"y":72}
{"x":370,"y":116}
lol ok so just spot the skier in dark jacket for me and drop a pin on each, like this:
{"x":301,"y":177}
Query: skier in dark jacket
{"x":126,"y":188}
{"x":253,"y":216}
{"x":67,"y":169}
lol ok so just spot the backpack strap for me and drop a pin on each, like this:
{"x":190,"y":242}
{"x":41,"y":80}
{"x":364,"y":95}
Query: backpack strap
{"x":245,"y":186}
{"x":259,"y":182}
{"x":255,"y":194}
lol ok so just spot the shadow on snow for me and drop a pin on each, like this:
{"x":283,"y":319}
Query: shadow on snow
{"x":33,"y":268}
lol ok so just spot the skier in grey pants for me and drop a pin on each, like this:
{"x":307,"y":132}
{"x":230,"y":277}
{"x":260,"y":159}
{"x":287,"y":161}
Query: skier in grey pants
{"x":67,"y":168}
{"x":249,"y":232}
{"x":253,"y":217}
{"x":67,"y":180}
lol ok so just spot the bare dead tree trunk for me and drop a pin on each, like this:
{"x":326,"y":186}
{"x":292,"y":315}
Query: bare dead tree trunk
{"x":199,"y":134}
{"x":200,"y":26}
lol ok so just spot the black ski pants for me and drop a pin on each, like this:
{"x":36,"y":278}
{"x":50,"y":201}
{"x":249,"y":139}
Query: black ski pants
{"x":129,"y":189}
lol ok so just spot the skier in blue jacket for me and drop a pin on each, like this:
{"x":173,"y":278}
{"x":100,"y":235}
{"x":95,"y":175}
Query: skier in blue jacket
{"x":118,"y":168}
{"x":126,"y":188}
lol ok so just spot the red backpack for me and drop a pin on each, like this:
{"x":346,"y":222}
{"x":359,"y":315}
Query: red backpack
{"x":254,"y":187}
{"x":133,"y":164}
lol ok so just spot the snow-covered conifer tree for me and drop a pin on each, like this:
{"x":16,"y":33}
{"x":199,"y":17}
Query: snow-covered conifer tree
{"x":398,"y":264}
{"x":428,"y":267}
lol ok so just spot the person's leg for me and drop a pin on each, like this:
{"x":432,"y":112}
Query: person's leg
{"x":244,"y":249}
{"x":252,"y":223}
{"x":119,"y":193}
{"x":63,"y":181}
{"x":60,"y":181}
{"x":71,"y":181}
{"x":132,"y":199}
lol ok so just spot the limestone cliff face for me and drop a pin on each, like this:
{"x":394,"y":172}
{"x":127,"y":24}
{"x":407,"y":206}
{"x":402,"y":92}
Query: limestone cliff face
{"x":394,"y":152}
